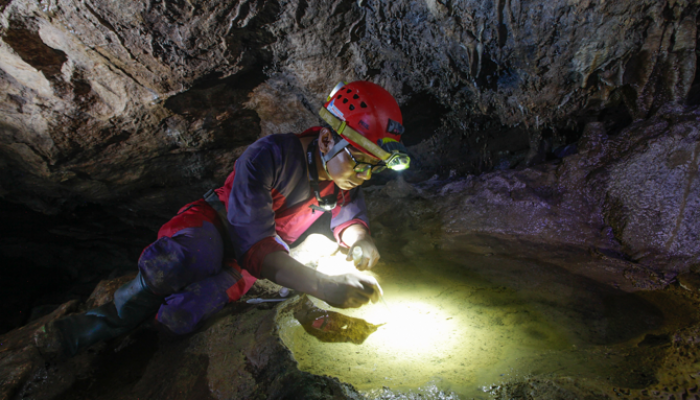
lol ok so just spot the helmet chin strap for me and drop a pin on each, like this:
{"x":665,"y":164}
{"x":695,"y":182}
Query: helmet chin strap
{"x":337,"y":148}
{"x":325,"y":203}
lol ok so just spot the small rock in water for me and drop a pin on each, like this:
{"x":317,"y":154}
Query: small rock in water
{"x":331,"y":326}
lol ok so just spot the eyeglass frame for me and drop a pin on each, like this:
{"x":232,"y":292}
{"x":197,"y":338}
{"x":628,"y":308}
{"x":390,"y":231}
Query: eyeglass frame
{"x":379,"y":167}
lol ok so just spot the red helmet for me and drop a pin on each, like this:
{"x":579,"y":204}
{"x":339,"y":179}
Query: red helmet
{"x":367,"y":117}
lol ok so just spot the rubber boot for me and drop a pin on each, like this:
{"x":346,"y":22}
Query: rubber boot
{"x":133,"y":303}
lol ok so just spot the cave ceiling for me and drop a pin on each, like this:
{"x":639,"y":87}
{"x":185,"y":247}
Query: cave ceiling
{"x":141,"y":106}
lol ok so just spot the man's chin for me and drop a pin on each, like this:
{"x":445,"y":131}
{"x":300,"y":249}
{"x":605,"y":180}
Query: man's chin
{"x":348,"y":186}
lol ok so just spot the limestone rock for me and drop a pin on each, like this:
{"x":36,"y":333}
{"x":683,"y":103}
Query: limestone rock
{"x":632,"y":195}
{"x":143,"y":107}
{"x":104,"y":292}
{"x":20,"y":360}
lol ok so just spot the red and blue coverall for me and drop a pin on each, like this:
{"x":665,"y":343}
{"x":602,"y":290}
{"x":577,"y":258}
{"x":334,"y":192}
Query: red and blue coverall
{"x":267,"y":199}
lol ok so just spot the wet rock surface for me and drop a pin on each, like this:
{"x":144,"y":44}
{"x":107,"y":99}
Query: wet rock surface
{"x":239,"y":352}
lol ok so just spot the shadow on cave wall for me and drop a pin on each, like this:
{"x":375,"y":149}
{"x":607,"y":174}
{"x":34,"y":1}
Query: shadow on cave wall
{"x":453,"y":144}
{"x":210,"y":123}
{"x":421,"y":117}
{"x":214,"y":105}
{"x":48,"y":260}
{"x":694,"y":92}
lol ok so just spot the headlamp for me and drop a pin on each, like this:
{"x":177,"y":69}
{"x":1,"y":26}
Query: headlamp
{"x":398,"y":161}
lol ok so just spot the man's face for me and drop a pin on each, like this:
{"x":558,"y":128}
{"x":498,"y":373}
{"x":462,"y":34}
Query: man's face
{"x":341,"y":168}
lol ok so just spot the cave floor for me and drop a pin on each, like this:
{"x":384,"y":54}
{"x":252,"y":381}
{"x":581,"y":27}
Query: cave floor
{"x":479,"y":325}
{"x":454,"y":323}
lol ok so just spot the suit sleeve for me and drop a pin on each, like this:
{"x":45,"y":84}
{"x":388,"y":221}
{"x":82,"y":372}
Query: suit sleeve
{"x":250,"y":210}
{"x":353,"y":212}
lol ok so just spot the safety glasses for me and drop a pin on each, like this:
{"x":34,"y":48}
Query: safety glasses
{"x":362,"y":167}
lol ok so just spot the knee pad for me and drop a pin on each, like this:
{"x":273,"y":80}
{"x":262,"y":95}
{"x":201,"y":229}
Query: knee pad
{"x":183,"y":311}
{"x":171,"y":263}
{"x":164,"y":266}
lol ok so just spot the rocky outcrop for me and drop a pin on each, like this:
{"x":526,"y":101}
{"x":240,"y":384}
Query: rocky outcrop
{"x":102,"y":100}
{"x":143,"y":106}
{"x":632,"y":196}
{"x":21,"y":364}
{"x":238,"y":354}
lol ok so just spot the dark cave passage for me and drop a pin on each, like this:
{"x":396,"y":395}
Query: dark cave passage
{"x":48,"y":260}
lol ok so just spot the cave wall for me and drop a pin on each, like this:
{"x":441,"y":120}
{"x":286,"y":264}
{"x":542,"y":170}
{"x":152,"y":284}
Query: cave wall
{"x":141,"y":106}
{"x":499,"y":76}
{"x":630,"y":199}
{"x":101,"y":102}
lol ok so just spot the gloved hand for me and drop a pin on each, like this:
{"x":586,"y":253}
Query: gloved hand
{"x":364,"y":254}
{"x":350,"y":290}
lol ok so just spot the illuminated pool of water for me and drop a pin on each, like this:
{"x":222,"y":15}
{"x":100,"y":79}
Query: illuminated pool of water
{"x":465,"y":323}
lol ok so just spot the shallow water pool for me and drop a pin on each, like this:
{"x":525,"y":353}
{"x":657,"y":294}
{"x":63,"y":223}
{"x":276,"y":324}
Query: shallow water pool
{"x":463,"y":323}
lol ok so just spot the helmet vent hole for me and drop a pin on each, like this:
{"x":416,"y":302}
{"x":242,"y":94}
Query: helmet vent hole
{"x":363,"y":105}
{"x":345,"y":101}
{"x":352,"y":107}
{"x":355,"y":97}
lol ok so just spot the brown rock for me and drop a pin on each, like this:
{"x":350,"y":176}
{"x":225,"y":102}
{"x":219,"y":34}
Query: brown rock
{"x":183,"y":87}
{"x":104,"y":292}
{"x":689,"y":281}
{"x":19,"y":359}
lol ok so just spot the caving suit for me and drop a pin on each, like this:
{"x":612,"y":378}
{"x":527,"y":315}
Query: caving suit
{"x":190,"y":272}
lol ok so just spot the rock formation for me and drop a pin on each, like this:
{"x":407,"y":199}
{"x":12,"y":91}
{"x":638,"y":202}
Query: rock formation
{"x":141,"y":106}
{"x":632,"y":196}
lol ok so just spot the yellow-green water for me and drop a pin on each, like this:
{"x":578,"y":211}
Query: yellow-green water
{"x":465,"y":323}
